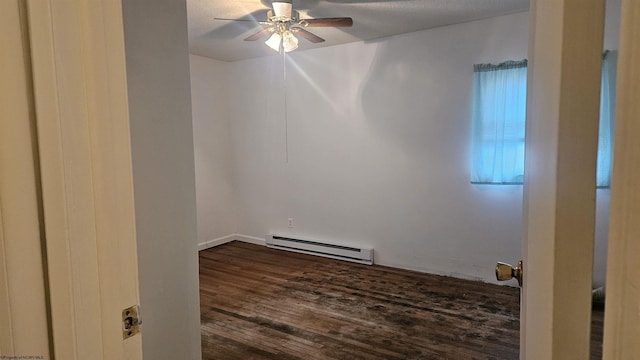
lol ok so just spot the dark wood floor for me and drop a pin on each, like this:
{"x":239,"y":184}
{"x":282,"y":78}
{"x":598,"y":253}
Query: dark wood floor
{"x":260,"y":303}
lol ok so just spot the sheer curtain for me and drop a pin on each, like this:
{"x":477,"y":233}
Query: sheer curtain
{"x":607,"y":116}
{"x":499,"y":112}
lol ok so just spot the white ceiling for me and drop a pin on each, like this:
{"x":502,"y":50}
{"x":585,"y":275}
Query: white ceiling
{"x":372,"y":19}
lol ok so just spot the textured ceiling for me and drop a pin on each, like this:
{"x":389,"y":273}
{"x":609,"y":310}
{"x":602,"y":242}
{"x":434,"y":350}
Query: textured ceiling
{"x":372,"y":19}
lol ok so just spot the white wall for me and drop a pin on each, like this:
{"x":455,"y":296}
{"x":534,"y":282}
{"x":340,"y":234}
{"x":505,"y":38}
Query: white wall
{"x":379,"y":137}
{"x":378,"y":140}
{"x":163,"y":176}
{"x":215,"y":183}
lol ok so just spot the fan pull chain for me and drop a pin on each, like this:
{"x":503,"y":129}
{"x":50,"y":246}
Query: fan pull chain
{"x":286,"y":122}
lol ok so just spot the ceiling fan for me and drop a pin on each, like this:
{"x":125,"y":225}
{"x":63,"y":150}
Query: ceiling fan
{"x":283,"y":22}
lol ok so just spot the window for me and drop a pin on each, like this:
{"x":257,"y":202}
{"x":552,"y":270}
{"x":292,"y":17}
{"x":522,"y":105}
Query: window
{"x":499,"y":113}
{"x":607,"y":116}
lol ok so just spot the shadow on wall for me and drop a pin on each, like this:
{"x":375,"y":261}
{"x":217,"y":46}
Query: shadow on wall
{"x":417,"y":97}
{"x":417,"y":93}
{"x":405,"y":93}
{"x":421,"y":83}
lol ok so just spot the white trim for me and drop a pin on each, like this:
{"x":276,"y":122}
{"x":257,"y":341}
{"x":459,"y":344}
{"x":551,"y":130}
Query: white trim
{"x":564,"y":69}
{"x":622,"y":320}
{"x":251,"y":239}
{"x":23,"y":303}
{"x":231,"y":237}
{"x":215,"y":242}
{"x":82,"y":117}
{"x":462,"y":273}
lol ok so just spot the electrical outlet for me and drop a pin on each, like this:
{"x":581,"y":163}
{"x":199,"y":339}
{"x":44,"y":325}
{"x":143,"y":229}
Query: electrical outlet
{"x":290,"y":223}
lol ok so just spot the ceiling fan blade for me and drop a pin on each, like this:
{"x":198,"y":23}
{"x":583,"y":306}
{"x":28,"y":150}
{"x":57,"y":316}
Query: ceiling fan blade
{"x":309,"y":36}
{"x":245,"y":20}
{"x":252,"y":20}
{"x":258,"y":35}
{"x":329,"y":22}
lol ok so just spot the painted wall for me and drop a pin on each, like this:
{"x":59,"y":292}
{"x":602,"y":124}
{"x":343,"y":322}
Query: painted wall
{"x":163,"y":176}
{"x":374,"y":148}
{"x":215,"y":183}
{"x":378,"y":148}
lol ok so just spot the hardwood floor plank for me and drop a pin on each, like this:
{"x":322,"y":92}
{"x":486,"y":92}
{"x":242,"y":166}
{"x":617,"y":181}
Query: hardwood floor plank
{"x":261,"y":303}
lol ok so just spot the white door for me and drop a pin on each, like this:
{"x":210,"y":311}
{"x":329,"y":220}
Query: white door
{"x":76,"y":98}
{"x":622,"y":309}
{"x":559,"y":192}
{"x":565,"y":52}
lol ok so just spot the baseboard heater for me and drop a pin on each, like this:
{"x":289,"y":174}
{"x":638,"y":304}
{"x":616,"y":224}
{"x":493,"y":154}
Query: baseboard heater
{"x":341,"y":252}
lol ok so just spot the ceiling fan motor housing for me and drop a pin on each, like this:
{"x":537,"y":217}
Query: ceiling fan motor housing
{"x":282,"y":9}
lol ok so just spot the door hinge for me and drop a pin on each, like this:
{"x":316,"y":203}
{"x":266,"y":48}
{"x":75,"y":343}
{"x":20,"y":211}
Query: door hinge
{"x":131,"y":321}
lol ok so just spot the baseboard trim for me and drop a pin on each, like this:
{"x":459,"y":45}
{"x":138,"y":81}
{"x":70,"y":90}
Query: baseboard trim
{"x":231,"y":237}
{"x":429,"y":270}
{"x":250,"y":239}
{"x":215,"y":242}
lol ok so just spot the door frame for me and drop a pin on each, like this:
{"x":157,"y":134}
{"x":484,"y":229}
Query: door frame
{"x":622,"y":312}
{"x":82,"y":118}
{"x":559,"y":327}
{"x":84,"y":144}
{"x":563,"y":90}
{"x":23,"y":288}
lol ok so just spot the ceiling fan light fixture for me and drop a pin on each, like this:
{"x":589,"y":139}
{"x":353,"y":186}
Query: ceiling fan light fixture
{"x":283,"y":23}
{"x":274,"y":41}
{"x":289,"y":41}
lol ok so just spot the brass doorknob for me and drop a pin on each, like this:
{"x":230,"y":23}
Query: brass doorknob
{"x":506,"y":272}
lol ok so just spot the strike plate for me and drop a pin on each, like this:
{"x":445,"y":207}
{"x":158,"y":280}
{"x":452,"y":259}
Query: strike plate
{"x":131,"y":321}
